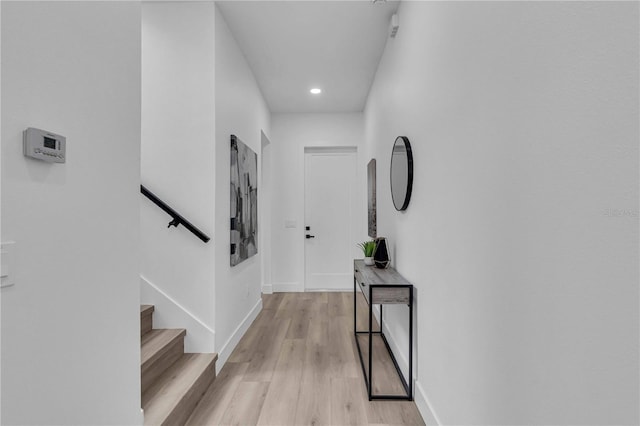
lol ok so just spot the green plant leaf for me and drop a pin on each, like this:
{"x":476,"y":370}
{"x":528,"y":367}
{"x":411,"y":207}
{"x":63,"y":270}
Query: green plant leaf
{"x":367,"y":247}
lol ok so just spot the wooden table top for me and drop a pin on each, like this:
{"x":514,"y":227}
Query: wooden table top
{"x":376,"y":276}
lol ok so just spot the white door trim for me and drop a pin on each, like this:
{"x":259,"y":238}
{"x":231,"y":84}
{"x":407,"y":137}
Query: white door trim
{"x":337,"y":150}
{"x":264,"y":209}
{"x":330,"y":149}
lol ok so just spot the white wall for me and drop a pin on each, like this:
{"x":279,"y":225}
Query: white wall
{"x":1,"y":255}
{"x":178,"y":162}
{"x":522,"y":232}
{"x":291,"y":133}
{"x":70,"y":325}
{"x":241,"y":111}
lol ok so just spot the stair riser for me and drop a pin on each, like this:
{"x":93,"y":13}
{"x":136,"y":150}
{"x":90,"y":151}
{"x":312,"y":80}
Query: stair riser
{"x":151,"y":370}
{"x":173,"y":382}
{"x":146,"y":323}
{"x":186,"y":406}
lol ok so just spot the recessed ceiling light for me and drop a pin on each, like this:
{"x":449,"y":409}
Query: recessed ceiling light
{"x":316,"y":91}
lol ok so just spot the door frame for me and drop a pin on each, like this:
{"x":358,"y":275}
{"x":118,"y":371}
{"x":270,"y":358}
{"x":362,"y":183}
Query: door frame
{"x":264,"y":201}
{"x":346,"y":149}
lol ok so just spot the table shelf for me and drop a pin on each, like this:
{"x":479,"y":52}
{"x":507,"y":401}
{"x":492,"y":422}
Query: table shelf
{"x":382,"y":287}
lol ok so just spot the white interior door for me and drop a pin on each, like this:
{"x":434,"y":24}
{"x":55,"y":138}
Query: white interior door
{"x":330,"y":206}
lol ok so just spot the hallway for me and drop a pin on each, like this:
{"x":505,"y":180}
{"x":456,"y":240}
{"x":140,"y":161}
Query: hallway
{"x":298,"y":365}
{"x":521,"y":236}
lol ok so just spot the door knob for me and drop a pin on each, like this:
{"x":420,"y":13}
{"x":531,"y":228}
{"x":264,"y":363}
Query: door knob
{"x":310,"y":236}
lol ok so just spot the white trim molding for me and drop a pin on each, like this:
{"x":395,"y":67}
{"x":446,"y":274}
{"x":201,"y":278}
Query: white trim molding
{"x":419,"y":395}
{"x":328,"y":290}
{"x":232,"y":342}
{"x":398,"y":352}
{"x":330,"y":149}
{"x":424,"y":406}
{"x":294,"y":287}
{"x":169,"y":313}
{"x":267,"y":289}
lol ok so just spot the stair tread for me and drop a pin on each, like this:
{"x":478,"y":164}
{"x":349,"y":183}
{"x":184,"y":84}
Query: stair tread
{"x":154,"y":343}
{"x":173,"y":385}
{"x":146,"y":309}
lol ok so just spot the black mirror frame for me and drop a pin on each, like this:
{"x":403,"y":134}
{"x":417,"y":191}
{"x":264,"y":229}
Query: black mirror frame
{"x":409,"y":188}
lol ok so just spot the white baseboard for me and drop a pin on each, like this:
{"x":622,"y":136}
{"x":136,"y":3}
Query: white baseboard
{"x":294,"y":287}
{"x":230,"y":344}
{"x":399,"y":353}
{"x":329,"y":290}
{"x":419,"y":395}
{"x":170,"y":314}
{"x":267,"y":289}
{"x":424,"y":406}
{"x":297,"y":287}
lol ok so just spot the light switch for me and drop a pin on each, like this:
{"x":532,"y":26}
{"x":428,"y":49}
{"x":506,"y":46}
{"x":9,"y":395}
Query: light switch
{"x":7,"y":252}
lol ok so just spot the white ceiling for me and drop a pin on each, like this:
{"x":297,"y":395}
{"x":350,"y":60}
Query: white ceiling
{"x":292,"y":46}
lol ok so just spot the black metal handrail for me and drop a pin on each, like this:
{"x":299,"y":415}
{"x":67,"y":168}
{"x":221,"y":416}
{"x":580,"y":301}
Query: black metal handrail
{"x":177,"y":218}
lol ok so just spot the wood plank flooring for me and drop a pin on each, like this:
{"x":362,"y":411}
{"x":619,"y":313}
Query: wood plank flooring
{"x":298,"y":365}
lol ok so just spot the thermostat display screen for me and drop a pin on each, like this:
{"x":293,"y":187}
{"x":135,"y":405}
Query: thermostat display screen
{"x":49,"y":143}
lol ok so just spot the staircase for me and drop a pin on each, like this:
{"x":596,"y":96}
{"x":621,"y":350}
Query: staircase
{"x":172,"y":381}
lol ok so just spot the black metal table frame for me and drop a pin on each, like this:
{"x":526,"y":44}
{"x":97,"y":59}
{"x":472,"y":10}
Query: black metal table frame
{"x":367,"y":377}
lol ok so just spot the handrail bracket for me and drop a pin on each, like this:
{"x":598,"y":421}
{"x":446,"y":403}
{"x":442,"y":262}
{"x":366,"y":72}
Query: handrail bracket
{"x":177,"y":219}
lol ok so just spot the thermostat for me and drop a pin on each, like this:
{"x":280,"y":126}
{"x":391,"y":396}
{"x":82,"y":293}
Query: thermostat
{"x":45,"y":146}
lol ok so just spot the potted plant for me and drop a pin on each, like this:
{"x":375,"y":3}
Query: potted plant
{"x":368,"y":248}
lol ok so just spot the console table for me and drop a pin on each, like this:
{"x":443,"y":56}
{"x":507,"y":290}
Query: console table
{"x":382,"y":287}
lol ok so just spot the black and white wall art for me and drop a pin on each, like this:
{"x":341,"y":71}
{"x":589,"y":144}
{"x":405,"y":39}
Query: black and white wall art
{"x":244,"y":201}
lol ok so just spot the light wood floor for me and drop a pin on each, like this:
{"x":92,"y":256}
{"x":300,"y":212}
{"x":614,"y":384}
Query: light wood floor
{"x":298,"y":365}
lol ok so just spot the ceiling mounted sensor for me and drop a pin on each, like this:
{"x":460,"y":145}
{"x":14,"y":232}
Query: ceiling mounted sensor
{"x":394,"y":25}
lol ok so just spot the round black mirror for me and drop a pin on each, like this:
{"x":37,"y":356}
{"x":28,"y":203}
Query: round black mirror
{"x":401,"y":173}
